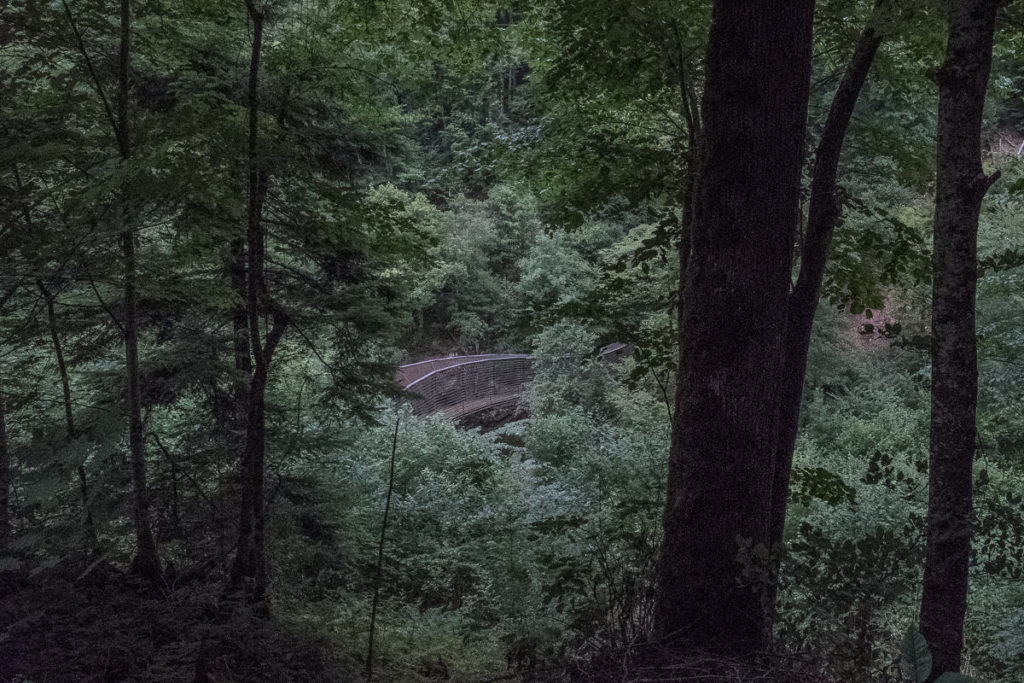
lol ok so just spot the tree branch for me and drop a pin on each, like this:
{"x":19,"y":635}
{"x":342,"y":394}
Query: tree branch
{"x":103,"y":304}
{"x":95,"y":77}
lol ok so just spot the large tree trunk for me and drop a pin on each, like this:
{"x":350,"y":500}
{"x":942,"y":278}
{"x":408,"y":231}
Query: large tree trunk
{"x":147,"y":559}
{"x":823,"y":215}
{"x":746,"y":208}
{"x":960,"y":186}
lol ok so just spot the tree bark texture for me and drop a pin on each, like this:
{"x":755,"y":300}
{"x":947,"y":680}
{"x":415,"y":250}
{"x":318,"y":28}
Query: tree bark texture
{"x":147,"y":559}
{"x":823,"y":215}
{"x":960,"y":187}
{"x":746,"y":209}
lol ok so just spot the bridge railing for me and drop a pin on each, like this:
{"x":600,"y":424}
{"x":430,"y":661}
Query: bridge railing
{"x":467,"y":384}
{"x":462,"y":385}
{"x":407,"y":374}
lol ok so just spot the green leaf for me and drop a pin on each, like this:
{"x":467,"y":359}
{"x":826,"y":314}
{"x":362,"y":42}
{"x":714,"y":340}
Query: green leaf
{"x":915,"y":659}
{"x":1017,"y":187}
{"x":817,"y":483}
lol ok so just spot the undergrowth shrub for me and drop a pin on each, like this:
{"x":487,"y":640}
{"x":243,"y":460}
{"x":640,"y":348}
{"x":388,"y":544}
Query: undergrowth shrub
{"x":856,"y":520}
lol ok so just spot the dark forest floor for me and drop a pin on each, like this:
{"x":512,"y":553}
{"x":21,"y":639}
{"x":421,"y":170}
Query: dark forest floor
{"x":109,"y":627}
{"x":652,"y":664}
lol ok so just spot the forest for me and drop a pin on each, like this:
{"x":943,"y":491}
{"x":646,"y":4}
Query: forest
{"x":486,"y":340}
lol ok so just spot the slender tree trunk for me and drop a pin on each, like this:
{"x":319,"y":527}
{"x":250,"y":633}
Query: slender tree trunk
{"x":147,"y":559}
{"x":961,"y":185}
{"x":5,"y":452}
{"x":58,"y":351}
{"x":69,"y":415}
{"x":239,"y":419}
{"x":249,"y":568}
{"x":746,"y":207}
{"x":823,"y":215}
{"x":240,"y":330}
{"x":62,"y":368}
{"x":5,"y":474}
{"x":688,"y":161}
{"x":380,"y":554}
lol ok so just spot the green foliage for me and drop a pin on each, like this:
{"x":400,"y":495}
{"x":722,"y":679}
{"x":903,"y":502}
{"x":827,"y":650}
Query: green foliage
{"x":851,"y":576}
{"x":817,"y":483}
{"x":915,"y":659}
{"x":568,"y":374}
{"x":459,"y":177}
{"x":470,"y":291}
{"x":555,"y":276}
{"x":613,"y":79}
{"x":500,"y":544}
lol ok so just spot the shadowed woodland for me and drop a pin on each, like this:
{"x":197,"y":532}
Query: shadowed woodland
{"x":226,"y":224}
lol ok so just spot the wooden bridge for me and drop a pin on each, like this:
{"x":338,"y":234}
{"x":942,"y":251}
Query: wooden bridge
{"x":459,"y":386}
{"x":462,"y":385}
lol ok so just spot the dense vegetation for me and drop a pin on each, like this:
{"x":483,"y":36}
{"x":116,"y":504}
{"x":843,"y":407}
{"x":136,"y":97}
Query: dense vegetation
{"x":225,"y":223}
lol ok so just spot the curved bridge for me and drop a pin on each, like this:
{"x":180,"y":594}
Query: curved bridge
{"x":462,"y":385}
{"x":459,"y":386}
